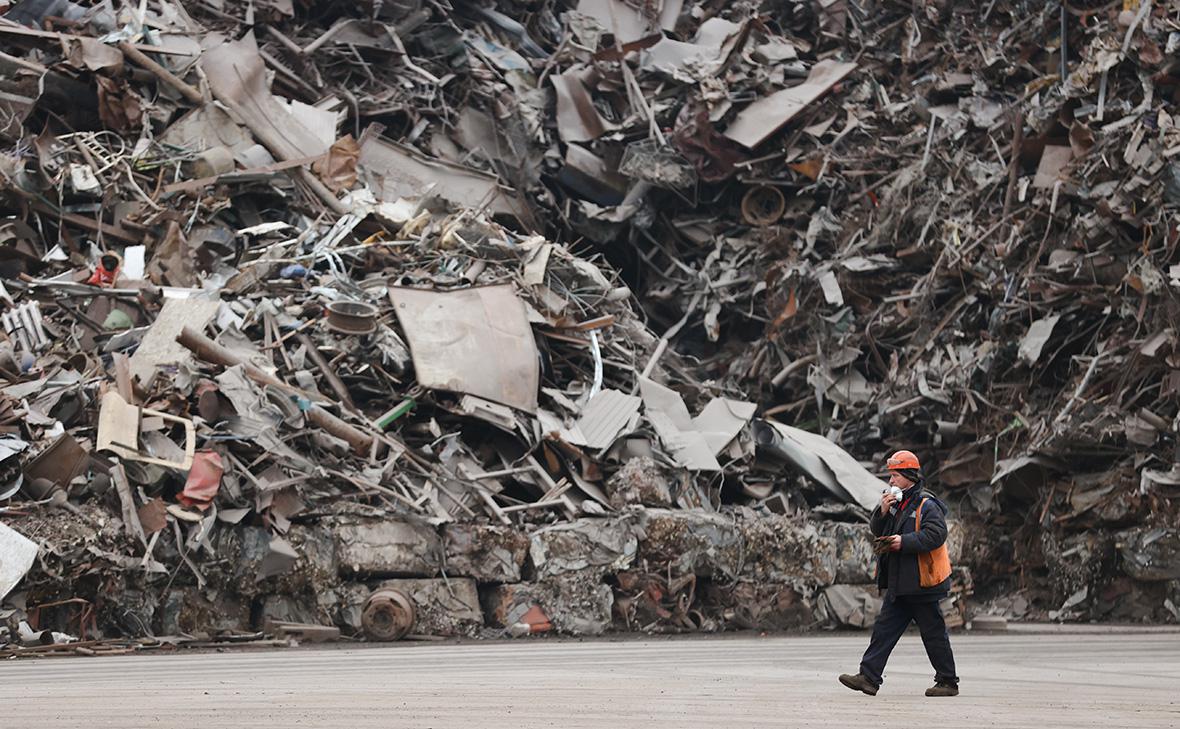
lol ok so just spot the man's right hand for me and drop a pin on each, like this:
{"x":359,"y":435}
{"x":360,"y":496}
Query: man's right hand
{"x":887,"y":502}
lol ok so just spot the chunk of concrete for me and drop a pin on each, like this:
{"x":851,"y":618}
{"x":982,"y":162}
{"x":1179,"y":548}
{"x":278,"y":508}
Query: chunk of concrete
{"x":691,"y":542}
{"x":602,"y":545}
{"x":484,"y":552}
{"x":388,"y":548}
{"x":574,"y":605}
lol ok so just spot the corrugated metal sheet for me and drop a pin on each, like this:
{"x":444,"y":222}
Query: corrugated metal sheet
{"x":608,"y":414}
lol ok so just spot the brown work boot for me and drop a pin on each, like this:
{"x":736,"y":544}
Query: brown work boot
{"x":943,"y":689}
{"x":858,"y":683}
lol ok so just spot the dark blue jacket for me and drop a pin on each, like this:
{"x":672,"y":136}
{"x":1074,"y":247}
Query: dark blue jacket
{"x":898,"y":571}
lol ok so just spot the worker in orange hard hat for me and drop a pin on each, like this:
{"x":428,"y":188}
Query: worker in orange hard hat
{"x":903,"y":460}
{"x":909,"y":526}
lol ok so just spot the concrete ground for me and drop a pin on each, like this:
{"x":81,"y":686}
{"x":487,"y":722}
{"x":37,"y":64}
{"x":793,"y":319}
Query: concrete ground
{"x":1121,"y":680}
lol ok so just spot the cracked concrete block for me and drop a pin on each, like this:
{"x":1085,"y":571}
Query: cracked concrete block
{"x":691,"y":542}
{"x":602,"y":545}
{"x":483,"y":552}
{"x":388,"y":548}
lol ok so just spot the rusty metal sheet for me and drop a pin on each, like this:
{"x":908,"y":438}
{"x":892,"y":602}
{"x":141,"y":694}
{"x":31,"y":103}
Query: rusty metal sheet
{"x":577,"y":118}
{"x":394,"y":171}
{"x":237,"y":74}
{"x":477,"y":341}
{"x":766,"y":116}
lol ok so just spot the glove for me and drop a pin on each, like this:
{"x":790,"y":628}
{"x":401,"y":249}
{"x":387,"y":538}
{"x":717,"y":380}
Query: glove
{"x":881,"y":545}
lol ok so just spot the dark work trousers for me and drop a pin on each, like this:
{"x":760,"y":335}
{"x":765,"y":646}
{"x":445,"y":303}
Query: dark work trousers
{"x":895,"y":617}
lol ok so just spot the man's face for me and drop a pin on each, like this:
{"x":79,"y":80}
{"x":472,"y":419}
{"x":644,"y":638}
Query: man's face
{"x":900,"y":481}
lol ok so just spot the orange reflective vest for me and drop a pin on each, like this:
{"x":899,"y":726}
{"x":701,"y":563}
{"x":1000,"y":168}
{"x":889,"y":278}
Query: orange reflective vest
{"x":933,"y":566}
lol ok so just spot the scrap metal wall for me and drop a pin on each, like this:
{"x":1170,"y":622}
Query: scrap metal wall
{"x":581,"y":316}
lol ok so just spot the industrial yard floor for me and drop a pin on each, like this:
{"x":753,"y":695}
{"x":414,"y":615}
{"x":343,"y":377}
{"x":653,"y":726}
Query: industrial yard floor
{"x":1113,"y":680}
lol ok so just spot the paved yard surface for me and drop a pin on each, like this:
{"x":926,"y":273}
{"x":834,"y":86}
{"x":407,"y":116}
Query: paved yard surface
{"x":1106,"y":681}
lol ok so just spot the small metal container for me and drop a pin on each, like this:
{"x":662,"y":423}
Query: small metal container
{"x":352,"y":317}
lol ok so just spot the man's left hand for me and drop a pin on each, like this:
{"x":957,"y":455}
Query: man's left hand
{"x":895,"y":543}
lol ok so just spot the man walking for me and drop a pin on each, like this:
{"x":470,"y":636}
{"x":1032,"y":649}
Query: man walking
{"x":914,"y":571}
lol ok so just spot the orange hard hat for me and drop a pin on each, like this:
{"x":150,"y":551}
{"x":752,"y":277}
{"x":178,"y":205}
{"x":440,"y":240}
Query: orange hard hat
{"x":902,"y":460}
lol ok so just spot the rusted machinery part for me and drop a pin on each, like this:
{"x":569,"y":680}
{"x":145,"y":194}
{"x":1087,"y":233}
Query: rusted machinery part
{"x":388,"y":615}
{"x":352,"y":317}
{"x":763,"y":205}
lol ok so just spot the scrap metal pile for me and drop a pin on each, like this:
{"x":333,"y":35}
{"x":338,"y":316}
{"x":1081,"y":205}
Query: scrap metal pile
{"x":459,"y":318}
